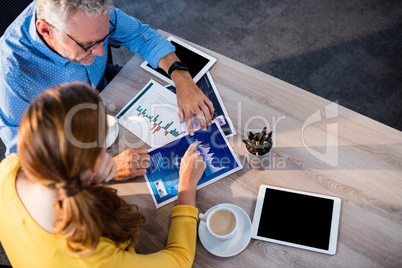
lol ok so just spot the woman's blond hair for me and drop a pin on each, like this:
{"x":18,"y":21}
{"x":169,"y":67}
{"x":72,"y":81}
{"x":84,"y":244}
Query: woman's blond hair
{"x":61,"y":135}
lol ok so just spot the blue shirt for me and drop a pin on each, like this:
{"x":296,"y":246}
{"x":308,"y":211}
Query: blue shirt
{"x":28,"y":66}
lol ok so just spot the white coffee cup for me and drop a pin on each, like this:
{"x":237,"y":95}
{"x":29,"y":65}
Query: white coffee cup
{"x":113,"y":129}
{"x":221,"y":222}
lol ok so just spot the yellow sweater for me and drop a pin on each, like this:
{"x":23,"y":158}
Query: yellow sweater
{"x":28,"y":245}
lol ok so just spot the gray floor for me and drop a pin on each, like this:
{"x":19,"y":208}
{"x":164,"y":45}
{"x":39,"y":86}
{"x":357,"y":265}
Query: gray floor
{"x":348,"y":51}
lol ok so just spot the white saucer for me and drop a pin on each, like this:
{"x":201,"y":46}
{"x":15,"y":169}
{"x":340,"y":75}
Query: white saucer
{"x":232,"y":246}
{"x":110,"y":139}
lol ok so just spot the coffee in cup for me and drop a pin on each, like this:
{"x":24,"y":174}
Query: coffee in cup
{"x":221,"y":222}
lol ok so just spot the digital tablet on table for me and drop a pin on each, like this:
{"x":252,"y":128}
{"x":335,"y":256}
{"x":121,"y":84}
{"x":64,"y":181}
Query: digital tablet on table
{"x":296,"y":218}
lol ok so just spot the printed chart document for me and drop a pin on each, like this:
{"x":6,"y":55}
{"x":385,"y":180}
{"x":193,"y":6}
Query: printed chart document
{"x":152,"y":115}
{"x":163,"y":174}
{"x":207,"y":85}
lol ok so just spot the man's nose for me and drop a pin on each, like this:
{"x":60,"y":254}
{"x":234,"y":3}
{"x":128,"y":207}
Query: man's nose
{"x":98,"y":50}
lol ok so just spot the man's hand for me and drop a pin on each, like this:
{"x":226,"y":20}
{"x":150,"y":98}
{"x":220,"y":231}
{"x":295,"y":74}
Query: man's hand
{"x":191,"y":100}
{"x":131,"y":163}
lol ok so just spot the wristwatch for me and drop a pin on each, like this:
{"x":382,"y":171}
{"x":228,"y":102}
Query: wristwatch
{"x":177,"y":65}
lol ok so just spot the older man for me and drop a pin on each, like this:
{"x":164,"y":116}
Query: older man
{"x":53,"y":42}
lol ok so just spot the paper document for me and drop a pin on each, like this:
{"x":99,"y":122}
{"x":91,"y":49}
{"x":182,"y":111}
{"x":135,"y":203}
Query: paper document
{"x":152,"y":115}
{"x":163,"y":173}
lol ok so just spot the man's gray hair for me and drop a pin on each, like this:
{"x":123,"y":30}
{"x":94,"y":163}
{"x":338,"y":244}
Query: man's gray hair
{"x":57,"y":12}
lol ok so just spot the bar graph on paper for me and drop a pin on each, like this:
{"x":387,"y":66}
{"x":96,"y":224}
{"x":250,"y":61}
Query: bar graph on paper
{"x":152,"y":115}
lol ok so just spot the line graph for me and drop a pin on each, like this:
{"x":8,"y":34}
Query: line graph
{"x":152,"y":115}
{"x":157,"y":124}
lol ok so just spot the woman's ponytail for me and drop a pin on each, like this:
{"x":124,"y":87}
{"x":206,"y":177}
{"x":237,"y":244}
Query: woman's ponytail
{"x":91,"y":213}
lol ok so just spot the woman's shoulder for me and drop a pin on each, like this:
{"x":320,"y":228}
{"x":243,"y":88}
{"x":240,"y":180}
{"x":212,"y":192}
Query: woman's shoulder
{"x":8,"y":170}
{"x":9,"y":163}
{"x":38,"y":200}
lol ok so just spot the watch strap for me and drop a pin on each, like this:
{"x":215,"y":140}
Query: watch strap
{"x":177,"y":65}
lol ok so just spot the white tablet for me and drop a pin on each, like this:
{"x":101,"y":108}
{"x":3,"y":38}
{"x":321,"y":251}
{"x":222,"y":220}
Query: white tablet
{"x":298,"y":219}
{"x":197,"y":61}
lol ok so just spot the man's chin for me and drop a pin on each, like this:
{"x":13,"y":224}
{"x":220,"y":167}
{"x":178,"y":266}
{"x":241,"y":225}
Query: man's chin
{"x":88,"y":60}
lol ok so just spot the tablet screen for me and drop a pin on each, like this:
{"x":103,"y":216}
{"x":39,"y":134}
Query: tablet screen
{"x":197,"y":61}
{"x":297,"y":219}
{"x":194,"y":61}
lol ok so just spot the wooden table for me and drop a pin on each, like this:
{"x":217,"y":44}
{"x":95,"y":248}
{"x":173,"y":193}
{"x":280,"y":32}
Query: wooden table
{"x":320,"y":147}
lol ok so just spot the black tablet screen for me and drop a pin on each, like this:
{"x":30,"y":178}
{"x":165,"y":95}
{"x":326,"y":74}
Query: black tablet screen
{"x":296,"y":218}
{"x":194,"y":61}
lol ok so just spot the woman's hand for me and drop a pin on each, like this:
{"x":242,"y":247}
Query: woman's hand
{"x":104,"y":169}
{"x":192,"y":167}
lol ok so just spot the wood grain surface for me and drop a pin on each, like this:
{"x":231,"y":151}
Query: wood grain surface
{"x":319,"y":147}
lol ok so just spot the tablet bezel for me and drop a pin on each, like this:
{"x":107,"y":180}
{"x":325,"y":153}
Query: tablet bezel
{"x":334,"y":221}
{"x":211,"y":61}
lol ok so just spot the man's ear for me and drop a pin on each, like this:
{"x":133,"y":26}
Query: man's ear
{"x":43,"y":28}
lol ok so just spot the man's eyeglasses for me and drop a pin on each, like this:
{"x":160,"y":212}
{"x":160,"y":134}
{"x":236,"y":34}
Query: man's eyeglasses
{"x":98,"y":42}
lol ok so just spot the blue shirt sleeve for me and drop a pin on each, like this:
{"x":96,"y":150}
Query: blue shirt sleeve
{"x":139,"y":38}
{"x":12,"y":107}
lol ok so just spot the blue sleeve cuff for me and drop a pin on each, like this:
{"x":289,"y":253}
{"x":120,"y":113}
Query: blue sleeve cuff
{"x":159,"y":52}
